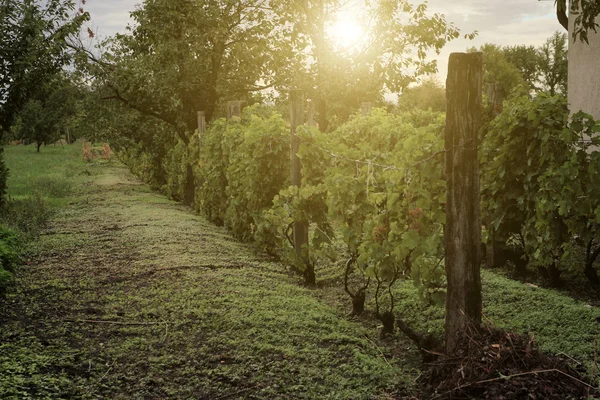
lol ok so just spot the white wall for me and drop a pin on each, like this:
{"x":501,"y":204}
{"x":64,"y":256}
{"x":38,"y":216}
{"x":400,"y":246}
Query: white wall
{"x":584,"y":72}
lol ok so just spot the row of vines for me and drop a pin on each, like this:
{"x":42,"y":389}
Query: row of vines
{"x":373,"y":191}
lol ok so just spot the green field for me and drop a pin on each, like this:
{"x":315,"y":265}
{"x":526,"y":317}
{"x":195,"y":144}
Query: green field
{"x":128,"y":295}
{"x":55,"y":172}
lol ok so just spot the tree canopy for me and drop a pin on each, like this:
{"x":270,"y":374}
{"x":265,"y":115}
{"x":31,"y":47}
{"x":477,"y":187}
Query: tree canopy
{"x":180,"y":57}
{"x":33,"y":48}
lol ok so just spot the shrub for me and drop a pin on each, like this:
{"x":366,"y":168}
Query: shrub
{"x":52,"y":186}
{"x":28,"y":215}
{"x":259,"y":167}
{"x":9,"y":255}
{"x":539,"y":183}
{"x":3,"y":178}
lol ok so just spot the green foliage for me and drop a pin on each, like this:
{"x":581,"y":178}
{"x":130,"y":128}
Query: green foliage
{"x":175,"y":167}
{"x":498,"y":69}
{"x":213,"y":163}
{"x":586,"y":13}
{"x":243,"y":171}
{"x":527,"y":61}
{"x":33,"y":47}
{"x":9,"y":255}
{"x":388,"y":208}
{"x":430,"y":94}
{"x":527,"y":69}
{"x":48,"y":114}
{"x":539,"y":178}
{"x":3,"y":178}
{"x":553,"y":64}
{"x":259,"y":166}
{"x":243,"y":164}
{"x":375,"y":183}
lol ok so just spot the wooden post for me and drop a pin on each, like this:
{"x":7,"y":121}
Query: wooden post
{"x":311,"y":114}
{"x":234,"y":109}
{"x":463,"y":222}
{"x":365,"y":109}
{"x":300,"y":227}
{"x":201,"y":124}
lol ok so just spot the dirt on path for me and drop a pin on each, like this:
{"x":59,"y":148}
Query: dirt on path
{"x":132,"y":296}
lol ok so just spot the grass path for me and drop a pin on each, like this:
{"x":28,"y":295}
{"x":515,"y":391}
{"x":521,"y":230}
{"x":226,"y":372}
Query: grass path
{"x":131,"y":296}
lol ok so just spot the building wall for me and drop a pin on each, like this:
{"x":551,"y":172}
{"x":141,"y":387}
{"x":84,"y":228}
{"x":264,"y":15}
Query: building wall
{"x":584,"y":72}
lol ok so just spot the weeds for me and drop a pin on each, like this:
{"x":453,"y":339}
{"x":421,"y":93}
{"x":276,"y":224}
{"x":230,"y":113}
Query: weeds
{"x":52,"y":186}
{"x":28,"y":215}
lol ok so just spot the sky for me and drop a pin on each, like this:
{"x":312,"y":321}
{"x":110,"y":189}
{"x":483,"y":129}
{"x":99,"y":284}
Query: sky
{"x":502,"y":22}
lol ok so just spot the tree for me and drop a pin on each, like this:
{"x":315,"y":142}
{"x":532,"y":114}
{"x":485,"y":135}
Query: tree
{"x":33,"y":47}
{"x":538,"y":69}
{"x":527,"y":61}
{"x":391,"y":55}
{"x":44,"y":117}
{"x":553,"y":64}
{"x":183,"y":56}
{"x":498,"y":69}
{"x":430,"y":94}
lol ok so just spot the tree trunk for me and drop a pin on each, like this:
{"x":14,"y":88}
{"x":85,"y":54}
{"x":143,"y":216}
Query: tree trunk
{"x":190,"y":187}
{"x":589,"y":270}
{"x":388,"y":320}
{"x":463,"y":223}
{"x":358,"y":302}
{"x":39,"y":144}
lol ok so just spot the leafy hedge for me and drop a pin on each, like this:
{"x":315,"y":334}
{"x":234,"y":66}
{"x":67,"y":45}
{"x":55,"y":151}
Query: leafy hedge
{"x":373,"y":191}
{"x":3,"y":178}
{"x":540,"y":186}
{"x":383,"y":215}
{"x":9,"y":255}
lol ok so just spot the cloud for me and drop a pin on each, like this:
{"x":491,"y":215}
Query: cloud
{"x":110,"y":16}
{"x":506,"y":23}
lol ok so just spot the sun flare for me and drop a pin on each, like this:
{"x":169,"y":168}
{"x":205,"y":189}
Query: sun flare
{"x":345,"y":31}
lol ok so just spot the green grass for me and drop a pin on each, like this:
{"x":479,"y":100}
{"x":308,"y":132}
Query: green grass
{"x":559,"y":324}
{"x":54,"y":172}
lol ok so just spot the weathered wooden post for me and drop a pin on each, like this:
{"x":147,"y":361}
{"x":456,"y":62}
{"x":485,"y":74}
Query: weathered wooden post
{"x":234,"y":109}
{"x":463,"y":222}
{"x":365,"y":109}
{"x":201,"y":124}
{"x":311,"y":114}
{"x":300,"y":227}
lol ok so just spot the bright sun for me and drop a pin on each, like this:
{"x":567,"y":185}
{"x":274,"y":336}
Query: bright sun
{"x":345,"y":31}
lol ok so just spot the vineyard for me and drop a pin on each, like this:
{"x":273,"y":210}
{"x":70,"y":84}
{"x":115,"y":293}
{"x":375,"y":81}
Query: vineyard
{"x":281,"y":200}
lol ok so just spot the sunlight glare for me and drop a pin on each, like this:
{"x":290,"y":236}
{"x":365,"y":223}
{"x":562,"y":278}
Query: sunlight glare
{"x":345,"y":31}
